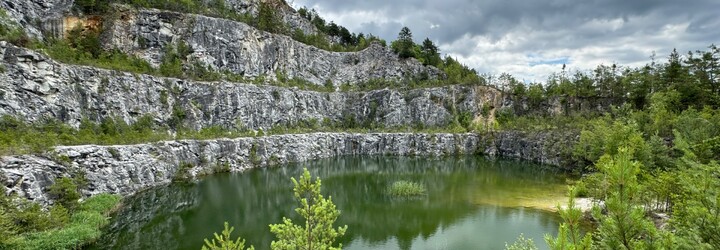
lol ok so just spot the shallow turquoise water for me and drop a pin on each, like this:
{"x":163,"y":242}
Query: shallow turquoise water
{"x":472,"y":203}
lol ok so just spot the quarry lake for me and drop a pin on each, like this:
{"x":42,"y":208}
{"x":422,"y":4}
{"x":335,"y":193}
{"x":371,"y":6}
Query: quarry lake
{"x":471,"y":203}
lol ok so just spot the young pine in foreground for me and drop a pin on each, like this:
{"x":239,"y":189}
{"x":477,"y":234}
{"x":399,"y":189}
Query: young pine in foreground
{"x":317,"y":232}
{"x":569,"y":236}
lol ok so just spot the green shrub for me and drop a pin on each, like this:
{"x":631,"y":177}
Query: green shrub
{"x":92,"y":6}
{"x":29,"y":217}
{"x":59,"y":215}
{"x":65,"y":192}
{"x":7,"y":228}
{"x":177,"y":118}
{"x":164,"y":98}
{"x":183,"y":172}
{"x":12,"y":32}
{"x":28,"y":226}
{"x":406,"y":189}
{"x":605,"y":137}
{"x":224,"y":242}
{"x":521,"y":243}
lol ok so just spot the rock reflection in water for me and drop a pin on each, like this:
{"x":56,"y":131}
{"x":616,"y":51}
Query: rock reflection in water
{"x":471,"y":202}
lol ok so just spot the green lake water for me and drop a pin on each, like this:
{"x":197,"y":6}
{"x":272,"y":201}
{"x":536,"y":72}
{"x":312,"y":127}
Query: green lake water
{"x":471,"y":203}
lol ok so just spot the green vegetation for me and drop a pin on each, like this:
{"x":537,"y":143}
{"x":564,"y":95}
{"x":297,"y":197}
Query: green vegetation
{"x":429,"y":54}
{"x":657,"y":150}
{"x":623,"y":224}
{"x":319,"y":214}
{"x":414,"y":82}
{"x":224,"y":242}
{"x":404,"y":46}
{"x":653,"y":152}
{"x":686,"y":81}
{"x":267,"y":19}
{"x":523,"y":243}
{"x":68,"y":224}
{"x":83,"y":47}
{"x":182,"y":173}
{"x":12,"y":32}
{"x":623,"y":221}
{"x":569,"y":236}
{"x":317,"y":232}
{"x":21,"y":137}
{"x":18,"y":137}
{"x":26,"y":225}
{"x":406,"y":189}
{"x":65,"y":191}
{"x":347,"y":41}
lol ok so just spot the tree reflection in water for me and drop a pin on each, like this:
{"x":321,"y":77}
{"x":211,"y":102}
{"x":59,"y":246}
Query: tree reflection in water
{"x":471,"y":202}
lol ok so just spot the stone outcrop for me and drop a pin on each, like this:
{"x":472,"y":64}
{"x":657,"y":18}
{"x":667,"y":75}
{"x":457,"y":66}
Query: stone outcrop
{"x":126,"y":169}
{"x":239,"y":48}
{"x":36,"y":16}
{"x":221,"y":44}
{"x":289,"y":16}
{"x":544,"y":147}
{"x":34,"y":87}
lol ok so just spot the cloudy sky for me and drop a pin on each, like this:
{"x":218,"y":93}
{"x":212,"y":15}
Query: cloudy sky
{"x":534,"y":38}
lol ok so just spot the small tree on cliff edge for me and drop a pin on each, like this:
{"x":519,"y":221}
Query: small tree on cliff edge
{"x":404,"y":45}
{"x":319,"y":214}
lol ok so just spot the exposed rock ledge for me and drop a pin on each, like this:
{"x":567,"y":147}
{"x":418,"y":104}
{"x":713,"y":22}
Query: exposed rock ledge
{"x":127,"y":169}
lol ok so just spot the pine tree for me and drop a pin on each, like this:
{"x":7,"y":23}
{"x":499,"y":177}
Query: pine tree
{"x":430,"y":53}
{"x":697,"y":212}
{"x":319,"y":214}
{"x":569,"y":237}
{"x":624,"y":225}
{"x":7,"y":227}
{"x":268,"y":19}
{"x":223,"y":241}
{"x":404,"y":45}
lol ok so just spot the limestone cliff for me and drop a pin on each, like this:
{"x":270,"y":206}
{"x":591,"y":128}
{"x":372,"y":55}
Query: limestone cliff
{"x":130,"y":168}
{"x":35,"y":87}
{"x":242,"y":49}
{"x":288,"y":15}
{"x":34,"y":15}
{"x":221,"y":44}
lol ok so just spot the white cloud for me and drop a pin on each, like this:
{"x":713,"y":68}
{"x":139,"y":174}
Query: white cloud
{"x":531,"y":39}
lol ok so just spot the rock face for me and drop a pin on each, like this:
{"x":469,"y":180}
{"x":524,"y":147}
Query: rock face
{"x":222,"y":44}
{"x":34,"y":87}
{"x":37,"y":16}
{"x":129,"y":168}
{"x":288,"y":15}
{"x":239,"y":48}
{"x":548,"y":147}
{"x":32,"y":15}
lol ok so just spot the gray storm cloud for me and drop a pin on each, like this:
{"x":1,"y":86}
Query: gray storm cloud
{"x":499,"y":35}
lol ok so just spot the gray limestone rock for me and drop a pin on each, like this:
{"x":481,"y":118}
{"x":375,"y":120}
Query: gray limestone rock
{"x":241,"y":49}
{"x":36,"y":16}
{"x":34,"y":87}
{"x":126,"y":169}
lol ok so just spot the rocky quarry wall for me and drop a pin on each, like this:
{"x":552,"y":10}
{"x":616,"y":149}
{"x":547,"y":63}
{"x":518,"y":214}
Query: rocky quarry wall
{"x":126,"y":169}
{"x":34,"y":87}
